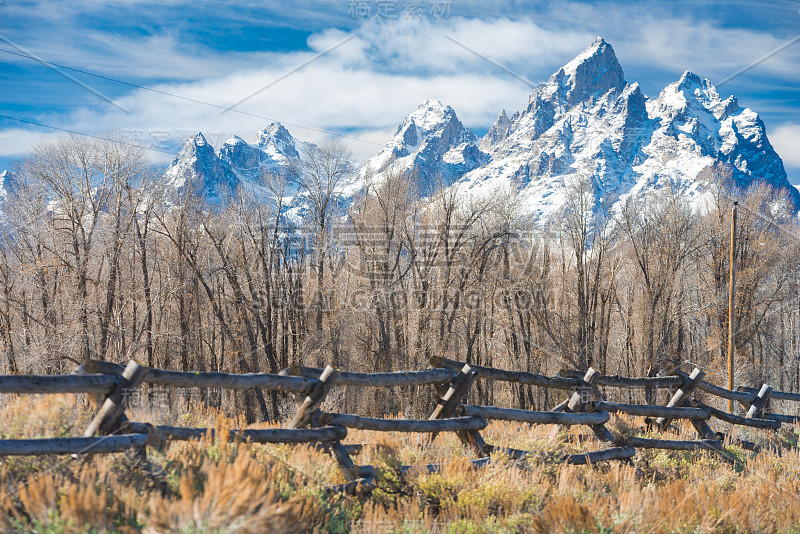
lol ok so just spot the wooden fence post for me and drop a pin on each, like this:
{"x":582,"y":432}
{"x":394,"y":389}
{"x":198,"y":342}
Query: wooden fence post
{"x":446,"y":407}
{"x":308,"y":416}
{"x":578,"y":401}
{"x":113,"y":409}
{"x":680,"y":398}
{"x":760,"y":401}
{"x":312,"y":401}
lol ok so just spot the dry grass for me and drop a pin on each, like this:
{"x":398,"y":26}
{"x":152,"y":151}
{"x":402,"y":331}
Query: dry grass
{"x":208,"y":486}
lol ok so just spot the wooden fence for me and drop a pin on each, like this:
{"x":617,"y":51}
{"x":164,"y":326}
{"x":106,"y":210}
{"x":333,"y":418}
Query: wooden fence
{"x":583,"y":404}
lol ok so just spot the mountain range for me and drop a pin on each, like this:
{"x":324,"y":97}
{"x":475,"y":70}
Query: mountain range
{"x":586,"y":121}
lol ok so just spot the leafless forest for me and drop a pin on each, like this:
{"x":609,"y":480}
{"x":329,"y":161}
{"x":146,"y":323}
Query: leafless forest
{"x":98,"y":262}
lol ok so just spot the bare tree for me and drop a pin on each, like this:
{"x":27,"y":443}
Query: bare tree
{"x":378,"y":222}
{"x":660,"y":235}
{"x":81,"y":179}
{"x":322,"y":174}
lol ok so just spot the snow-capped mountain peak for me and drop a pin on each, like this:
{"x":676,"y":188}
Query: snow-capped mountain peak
{"x":197,"y":169}
{"x":498,"y":131}
{"x":237,"y":164}
{"x":587,"y":121}
{"x":199,"y":139}
{"x":429,"y":115}
{"x":593,"y":72}
{"x":276,"y":141}
{"x":197,"y":145}
{"x":692,"y":93}
{"x":694,"y":118}
{"x":431,"y":120}
{"x":591,"y":54}
{"x":235,"y":140}
{"x":432,"y":143}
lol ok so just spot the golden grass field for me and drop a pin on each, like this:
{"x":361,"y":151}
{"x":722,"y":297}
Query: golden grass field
{"x":206,"y":486}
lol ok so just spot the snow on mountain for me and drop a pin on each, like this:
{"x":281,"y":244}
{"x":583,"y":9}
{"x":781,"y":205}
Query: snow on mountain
{"x":6,"y":186}
{"x":587,"y":121}
{"x":279,"y":145}
{"x":274,"y":150}
{"x":197,"y":167}
{"x":498,"y":132}
{"x":433,"y":144}
{"x":6,"y":183}
{"x":244,"y":160}
{"x":198,"y":170}
{"x":697,"y":124}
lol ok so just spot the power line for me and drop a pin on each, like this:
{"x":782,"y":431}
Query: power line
{"x":87,"y":135}
{"x":760,"y":60}
{"x":186,"y":98}
{"x":64,"y":74}
{"x":297,"y":68}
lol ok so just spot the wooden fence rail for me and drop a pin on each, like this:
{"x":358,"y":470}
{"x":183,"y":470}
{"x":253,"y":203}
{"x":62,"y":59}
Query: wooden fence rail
{"x":196,"y":379}
{"x":59,"y":383}
{"x":520,"y":377}
{"x":649,"y":410}
{"x":110,"y":430}
{"x":777,"y":395}
{"x":770,"y":424}
{"x":104,"y":444}
{"x":257,"y":435}
{"x":404,"y":425}
{"x":382,"y":380}
{"x":528,"y":416}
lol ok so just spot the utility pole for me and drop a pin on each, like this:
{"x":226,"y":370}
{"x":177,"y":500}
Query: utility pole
{"x":731,"y":306}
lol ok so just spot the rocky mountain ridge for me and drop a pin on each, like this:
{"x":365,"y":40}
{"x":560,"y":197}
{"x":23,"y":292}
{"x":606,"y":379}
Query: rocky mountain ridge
{"x":585,"y":122}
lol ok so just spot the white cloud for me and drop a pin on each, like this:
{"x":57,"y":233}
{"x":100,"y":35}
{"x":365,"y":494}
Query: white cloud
{"x":785,"y":139}
{"x":17,"y":141}
{"x":423,"y":46}
{"x":322,"y":96}
{"x":366,"y":86}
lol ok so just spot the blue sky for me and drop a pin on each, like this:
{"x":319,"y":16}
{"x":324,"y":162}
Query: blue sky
{"x":392,"y":54}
